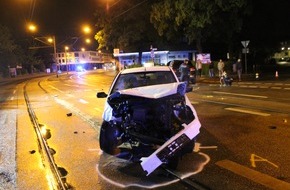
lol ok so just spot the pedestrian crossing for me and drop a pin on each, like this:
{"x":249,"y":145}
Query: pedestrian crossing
{"x":261,"y":85}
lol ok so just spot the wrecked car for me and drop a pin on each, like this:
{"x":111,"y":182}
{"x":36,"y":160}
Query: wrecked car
{"x":148,"y":118}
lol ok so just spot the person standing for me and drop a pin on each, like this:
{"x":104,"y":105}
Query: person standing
{"x":199,"y":67}
{"x":184,"y":71}
{"x":221,"y":66}
{"x":211,"y":67}
{"x":239,"y":69}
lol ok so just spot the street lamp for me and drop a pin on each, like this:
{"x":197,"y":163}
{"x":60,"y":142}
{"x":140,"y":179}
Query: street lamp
{"x":31,"y":27}
{"x":88,"y":40}
{"x":47,"y":41}
{"x":87,"y":29}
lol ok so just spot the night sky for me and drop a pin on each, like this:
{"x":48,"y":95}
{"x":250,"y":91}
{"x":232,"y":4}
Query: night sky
{"x":53,"y":17}
{"x":271,"y":19}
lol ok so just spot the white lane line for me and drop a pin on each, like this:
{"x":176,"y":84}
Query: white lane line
{"x":246,"y":95}
{"x":263,"y":87}
{"x":56,"y":89}
{"x":99,"y":110}
{"x":72,"y":85}
{"x":276,"y":87}
{"x":257,"y":177}
{"x":247,"y":111}
{"x":83,"y":101}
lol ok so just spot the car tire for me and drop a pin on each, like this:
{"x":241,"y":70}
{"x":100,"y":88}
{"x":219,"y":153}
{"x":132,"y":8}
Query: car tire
{"x":109,"y":138}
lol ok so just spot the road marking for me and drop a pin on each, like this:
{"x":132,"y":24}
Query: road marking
{"x":198,"y":146}
{"x":72,"y":85}
{"x":253,"y":175}
{"x":83,"y":101}
{"x":247,"y":111}
{"x":253,"y":86}
{"x":246,"y":95}
{"x":99,"y":110}
{"x":56,"y":89}
{"x":276,"y":87}
{"x":255,"y":158}
{"x":278,"y":84}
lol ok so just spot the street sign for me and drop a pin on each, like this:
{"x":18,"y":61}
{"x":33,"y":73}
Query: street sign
{"x":245,"y":43}
{"x":116,"y":51}
{"x":245,"y":50}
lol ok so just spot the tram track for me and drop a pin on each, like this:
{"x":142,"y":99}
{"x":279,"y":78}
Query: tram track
{"x":188,"y":182}
{"x":57,"y":181}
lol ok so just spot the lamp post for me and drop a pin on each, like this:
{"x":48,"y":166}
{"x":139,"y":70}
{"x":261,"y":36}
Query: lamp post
{"x":52,"y":40}
{"x":55,"y":58}
{"x":65,"y":50}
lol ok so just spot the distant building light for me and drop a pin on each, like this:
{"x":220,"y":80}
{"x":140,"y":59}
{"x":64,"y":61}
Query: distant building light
{"x":282,"y":48}
{"x":156,"y":52}
{"x":126,"y":54}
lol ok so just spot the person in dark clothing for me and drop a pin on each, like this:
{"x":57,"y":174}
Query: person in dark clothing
{"x":239,"y":69}
{"x":211,"y":69}
{"x":184,"y":71}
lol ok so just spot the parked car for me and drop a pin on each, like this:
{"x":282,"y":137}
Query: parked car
{"x":148,"y":118}
{"x":109,"y":66}
{"x":175,"y":64}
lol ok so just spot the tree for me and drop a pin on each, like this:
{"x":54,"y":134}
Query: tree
{"x":197,"y":19}
{"x":12,"y":55}
{"x":126,"y":26}
{"x":7,"y":46}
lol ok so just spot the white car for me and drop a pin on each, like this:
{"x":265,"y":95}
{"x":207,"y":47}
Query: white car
{"x":148,"y":118}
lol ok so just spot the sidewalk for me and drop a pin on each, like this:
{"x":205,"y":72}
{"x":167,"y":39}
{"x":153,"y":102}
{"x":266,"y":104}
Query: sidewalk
{"x":34,"y":75}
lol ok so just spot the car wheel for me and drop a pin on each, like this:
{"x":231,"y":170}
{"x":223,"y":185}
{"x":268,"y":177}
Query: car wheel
{"x":109,"y":138}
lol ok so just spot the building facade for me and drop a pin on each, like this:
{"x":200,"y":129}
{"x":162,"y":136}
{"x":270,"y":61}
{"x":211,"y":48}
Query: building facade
{"x":88,"y":60}
{"x":156,"y":57}
{"x":71,"y":61}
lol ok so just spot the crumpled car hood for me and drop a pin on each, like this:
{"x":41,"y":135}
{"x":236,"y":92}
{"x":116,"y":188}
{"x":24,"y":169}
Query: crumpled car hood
{"x":156,"y":91}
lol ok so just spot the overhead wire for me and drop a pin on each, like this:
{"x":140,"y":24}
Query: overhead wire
{"x":130,"y":9}
{"x":31,"y":10}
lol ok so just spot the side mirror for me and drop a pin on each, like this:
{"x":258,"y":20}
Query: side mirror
{"x":101,"y":95}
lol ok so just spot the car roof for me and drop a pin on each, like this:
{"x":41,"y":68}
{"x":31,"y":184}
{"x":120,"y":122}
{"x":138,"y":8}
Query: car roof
{"x":145,"y":69}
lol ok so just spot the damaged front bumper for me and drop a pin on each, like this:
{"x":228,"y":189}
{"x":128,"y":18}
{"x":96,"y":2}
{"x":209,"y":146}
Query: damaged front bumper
{"x":173,"y":145}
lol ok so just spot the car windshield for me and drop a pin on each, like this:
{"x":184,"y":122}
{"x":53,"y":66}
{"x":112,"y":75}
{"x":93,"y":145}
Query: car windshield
{"x":134,"y":80}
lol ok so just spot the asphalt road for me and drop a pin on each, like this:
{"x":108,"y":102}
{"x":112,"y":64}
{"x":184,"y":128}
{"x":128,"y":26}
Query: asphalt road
{"x":243,"y":142}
